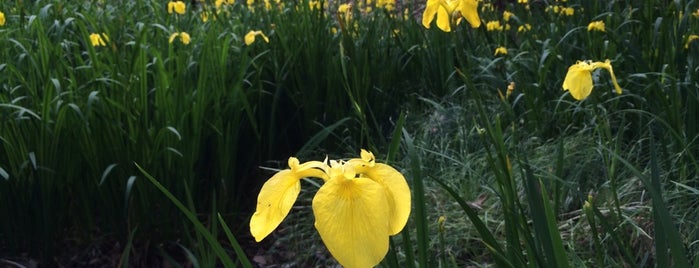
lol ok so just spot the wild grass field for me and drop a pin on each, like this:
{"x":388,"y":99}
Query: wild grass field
{"x":504,"y":133}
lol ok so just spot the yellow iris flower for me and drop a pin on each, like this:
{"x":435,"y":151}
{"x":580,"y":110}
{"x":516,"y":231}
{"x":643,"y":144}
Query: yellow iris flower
{"x":2,"y":18}
{"x":596,"y":26}
{"x":578,"y":80}
{"x":98,"y":40}
{"x":568,"y":11}
{"x":447,"y":11}
{"x":360,"y":205}
{"x":501,"y":51}
{"x":176,"y":6}
{"x":506,"y":15}
{"x":493,"y":26}
{"x":250,"y":37}
{"x":184,"y":37}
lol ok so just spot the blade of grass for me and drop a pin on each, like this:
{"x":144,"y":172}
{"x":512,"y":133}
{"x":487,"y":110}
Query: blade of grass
{"x":124,"y":260}
{"x":215,"y":245}
{"x":319,"y":137}
{"x":391,"y":259}
{"x":547,"y":235}
{"x":236,"y":246}
{"x":395,"y":138}
{"x":420,"y":215}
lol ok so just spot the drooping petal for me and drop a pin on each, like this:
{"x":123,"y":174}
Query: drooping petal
{"x":397,"y":194}
{"x":578,"y":80}
{"x":429,"y":13}
{"x":469,"y":9}
{"x":250,"y":37}
{"x":279,"y":193}
{"x":393,"y":182}
{"x":443,"y":19}
{"x":274,"y":202}
{"x":172,"y":37}
{"x":352,"y":220}
{"x":607,"y":65}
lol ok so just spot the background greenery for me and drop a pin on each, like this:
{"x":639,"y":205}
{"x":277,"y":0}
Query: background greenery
{"x":94,"y":139}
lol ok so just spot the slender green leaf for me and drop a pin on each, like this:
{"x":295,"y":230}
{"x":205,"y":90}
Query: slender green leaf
{"x":242,"y":258}
{"x":215,"y":245}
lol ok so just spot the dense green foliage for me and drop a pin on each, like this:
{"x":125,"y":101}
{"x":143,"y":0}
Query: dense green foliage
{"x":97,"y":143}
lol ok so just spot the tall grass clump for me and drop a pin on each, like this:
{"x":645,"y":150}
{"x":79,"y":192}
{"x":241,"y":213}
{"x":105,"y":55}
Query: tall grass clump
{"x":77,"y":117}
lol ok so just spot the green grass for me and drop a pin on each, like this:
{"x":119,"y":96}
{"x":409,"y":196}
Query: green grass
{"x":154,"y":148}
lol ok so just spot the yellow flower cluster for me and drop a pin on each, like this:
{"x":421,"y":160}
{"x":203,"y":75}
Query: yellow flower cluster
{"x":524,"y":28}
{"x":561,"y":10}
{"x":360,"y":204}
{"x":389,"y":5}
{"x":494,"y":26}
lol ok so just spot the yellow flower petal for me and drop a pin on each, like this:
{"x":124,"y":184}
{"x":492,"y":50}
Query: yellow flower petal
{"x":443,"y":19}
{"x":429,"y":13}
{"x":172,"y":37}
{"x":397,"y":194}
{"x":578,"y":80}
{"x":469,"y":9}
{"x":279,"y":193}
{"x":274,"y":202}
{"x":393,"y":182}
{"x":607,"y":65}
{"x":2,"y":19}
{"x":250,"y":37}
{"x":352,"y":219}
